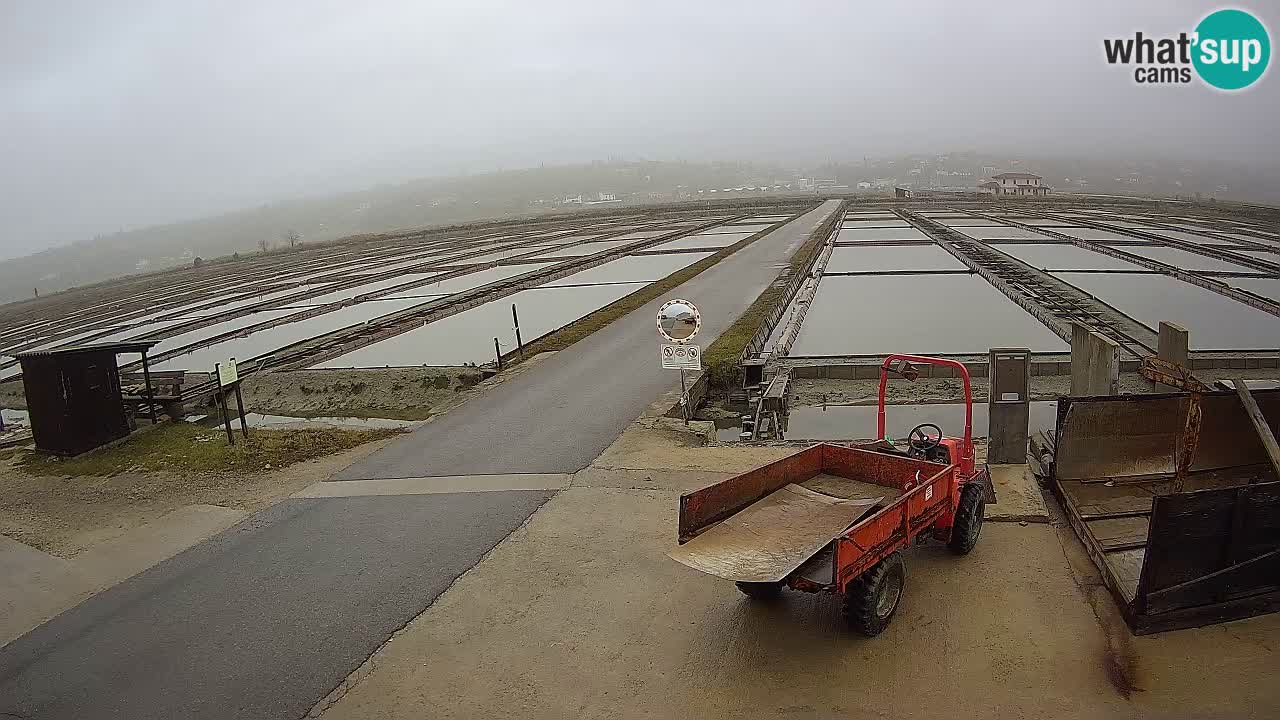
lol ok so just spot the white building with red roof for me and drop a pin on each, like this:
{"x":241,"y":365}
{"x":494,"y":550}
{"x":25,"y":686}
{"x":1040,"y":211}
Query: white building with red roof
{"x":1016,"y":184}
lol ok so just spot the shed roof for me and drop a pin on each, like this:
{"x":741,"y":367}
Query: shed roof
{"x":1016,"y":176}
{"x":117,"y":347}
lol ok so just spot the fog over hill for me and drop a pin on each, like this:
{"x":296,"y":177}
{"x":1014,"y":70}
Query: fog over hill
{"x":125,"y":123}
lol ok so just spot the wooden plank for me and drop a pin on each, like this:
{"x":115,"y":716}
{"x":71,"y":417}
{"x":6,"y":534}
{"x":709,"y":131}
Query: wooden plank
{"x":1259,"y":424}
{"x":1115,"y":532}
{"x":772,"y":537}
{"x":1113,"y":515}
{"x":1197,"y":534}
{"x":1216,"y":574}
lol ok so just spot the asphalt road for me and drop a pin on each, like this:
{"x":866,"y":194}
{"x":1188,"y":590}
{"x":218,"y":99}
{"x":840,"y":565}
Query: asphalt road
{"x":557,"y":417}
{"x":261,"y":621}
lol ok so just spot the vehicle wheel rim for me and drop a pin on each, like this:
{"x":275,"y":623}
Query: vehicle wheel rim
{"x":888,"y":599}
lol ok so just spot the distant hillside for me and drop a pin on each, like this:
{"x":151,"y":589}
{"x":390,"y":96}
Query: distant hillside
{"x":519,"y":193}
{"x":414,"y":204}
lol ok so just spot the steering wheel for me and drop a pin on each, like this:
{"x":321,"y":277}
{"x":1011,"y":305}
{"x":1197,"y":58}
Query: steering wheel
{"x":920,"y":441}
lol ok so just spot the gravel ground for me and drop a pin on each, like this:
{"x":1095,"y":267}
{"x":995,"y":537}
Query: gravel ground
{"x":400,"y":393}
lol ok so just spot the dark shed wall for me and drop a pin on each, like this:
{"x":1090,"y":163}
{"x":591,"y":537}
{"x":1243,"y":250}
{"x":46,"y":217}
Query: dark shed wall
{"x":74,"y":401}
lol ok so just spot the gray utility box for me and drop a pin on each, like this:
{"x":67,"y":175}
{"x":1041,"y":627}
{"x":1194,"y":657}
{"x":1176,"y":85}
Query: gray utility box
{"x":1010,"y":405}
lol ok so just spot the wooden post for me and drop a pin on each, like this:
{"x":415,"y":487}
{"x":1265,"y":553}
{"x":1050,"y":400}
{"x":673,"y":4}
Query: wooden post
{"x":146,"y":379}
{"x":240,"y":405}
{"x":516,"y":319}
{"x":1259,"y":425}
{"x":497,"y":351}
{"x":226,"y":417}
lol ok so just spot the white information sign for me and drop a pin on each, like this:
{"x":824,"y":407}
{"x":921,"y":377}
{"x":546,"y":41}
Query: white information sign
{"x":681,"y":357}
{"x":227,"y":373}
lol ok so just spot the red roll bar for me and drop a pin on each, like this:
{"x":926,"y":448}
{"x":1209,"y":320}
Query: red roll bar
{"x":907,"y":373}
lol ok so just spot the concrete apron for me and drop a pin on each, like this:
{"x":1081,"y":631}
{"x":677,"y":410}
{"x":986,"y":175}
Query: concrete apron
{"x":579,"y":613}
{"x":36,"y":586}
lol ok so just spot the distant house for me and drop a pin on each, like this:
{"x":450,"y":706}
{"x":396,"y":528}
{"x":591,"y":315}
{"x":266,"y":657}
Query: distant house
{"x":603,"y":197}
{"x":1016,"y":183}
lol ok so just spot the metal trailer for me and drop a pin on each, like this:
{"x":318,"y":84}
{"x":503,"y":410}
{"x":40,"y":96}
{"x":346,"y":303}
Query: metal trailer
{"x":1175,"y":499}
{"x":835,"y":519}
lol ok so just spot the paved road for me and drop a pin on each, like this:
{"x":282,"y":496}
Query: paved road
{"x":559,"y":416}
{"x":261,"y":621}
{"x":265,"y":619}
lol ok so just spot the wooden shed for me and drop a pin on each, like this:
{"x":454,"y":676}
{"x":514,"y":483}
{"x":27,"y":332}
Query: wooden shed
{"x":74,"y":397}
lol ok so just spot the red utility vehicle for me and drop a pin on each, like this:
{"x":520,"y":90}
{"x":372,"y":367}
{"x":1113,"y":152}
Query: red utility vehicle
{"x":835,"y":519}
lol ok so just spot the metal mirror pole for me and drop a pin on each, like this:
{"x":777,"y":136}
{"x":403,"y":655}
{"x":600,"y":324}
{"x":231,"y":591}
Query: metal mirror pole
{"x":684,"y":399}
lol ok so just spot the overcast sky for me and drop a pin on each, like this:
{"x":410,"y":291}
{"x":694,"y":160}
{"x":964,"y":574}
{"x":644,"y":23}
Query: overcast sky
{"x":120,"y":114}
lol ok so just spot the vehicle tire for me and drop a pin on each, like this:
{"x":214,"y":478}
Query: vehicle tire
{"x":871,"y":600}
{"x":760,"y":590}
{"x":968,"y":522}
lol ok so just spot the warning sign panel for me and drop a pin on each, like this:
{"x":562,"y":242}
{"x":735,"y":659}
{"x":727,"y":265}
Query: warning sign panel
{"x":681,"y":357}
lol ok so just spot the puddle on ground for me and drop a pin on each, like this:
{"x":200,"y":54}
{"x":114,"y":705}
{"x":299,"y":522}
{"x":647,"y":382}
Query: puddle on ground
{"x":919,"y":314}
{"x":1215,"y":322}
{"x":858,"y":422}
